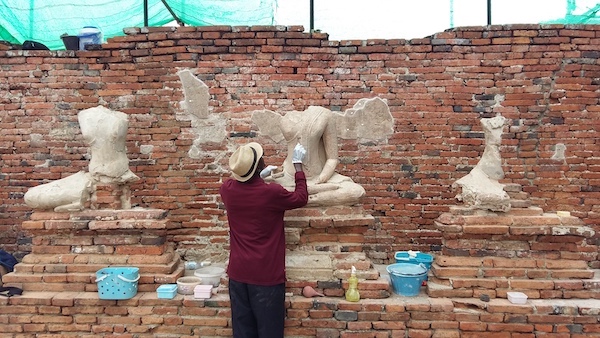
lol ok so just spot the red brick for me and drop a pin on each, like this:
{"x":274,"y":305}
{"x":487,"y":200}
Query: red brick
{"x":320,"y":313}
{"x":473,"y":326}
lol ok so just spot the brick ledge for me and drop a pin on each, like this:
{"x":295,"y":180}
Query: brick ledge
{"x":66,"y":298}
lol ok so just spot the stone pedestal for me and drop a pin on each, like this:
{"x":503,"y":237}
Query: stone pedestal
{"x":68,"y":249}
{"x":490,"y":253}
{"x":323,"y":244}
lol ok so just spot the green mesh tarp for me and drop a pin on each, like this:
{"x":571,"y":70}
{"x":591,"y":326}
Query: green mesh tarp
{"x":45,"y":21}
{"x":588,"y":17}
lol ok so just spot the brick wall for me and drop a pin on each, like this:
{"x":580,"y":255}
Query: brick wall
{"x":544,"y":79}
{"x":71,"y":314}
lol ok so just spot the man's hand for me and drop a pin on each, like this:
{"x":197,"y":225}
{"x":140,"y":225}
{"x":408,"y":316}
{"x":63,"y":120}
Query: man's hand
{"x":299,"y":154}
{"x":267,"y":171}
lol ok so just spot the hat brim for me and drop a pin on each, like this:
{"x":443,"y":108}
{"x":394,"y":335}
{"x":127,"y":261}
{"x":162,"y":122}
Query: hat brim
{"x":259,"y":153}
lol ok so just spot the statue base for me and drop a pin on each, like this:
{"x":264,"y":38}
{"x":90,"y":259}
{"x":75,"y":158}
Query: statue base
{"x":487,"y":254}
{"x":323,"y":244}
{"x":68,"y":249}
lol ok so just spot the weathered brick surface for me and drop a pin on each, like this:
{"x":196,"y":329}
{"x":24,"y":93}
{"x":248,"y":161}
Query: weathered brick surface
{"x":543,"y":78}
{"x":527,"y":254}
{"x":102,"y":238}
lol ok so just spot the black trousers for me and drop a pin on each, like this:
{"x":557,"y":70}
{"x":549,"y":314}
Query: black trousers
{"x":257,"y":311}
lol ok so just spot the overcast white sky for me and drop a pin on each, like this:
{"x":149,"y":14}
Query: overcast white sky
{"x":407,"y":19}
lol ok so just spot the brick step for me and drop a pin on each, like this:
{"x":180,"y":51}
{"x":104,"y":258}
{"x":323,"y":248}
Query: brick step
{"x":28,"y":269}
{"x":532,"y":273}
{"x":82,"y":263}
{"x":520,"y":233}
{"x":327,"y":236}
{"x":315,"y":221}
{"x":78,"y":282}
{"x":520,"y":246}
{"x":327,"y":222}
{"x":517,"y":216}
{"x":371,"y":289}
{"x":497,"y":288}
{"x":515,"y":262}
{"x":344,"y":261}
{"x":518,"y":208}
{"x":368,"y":289}
{"x":367,"y":274}
{"x":330,"y":212}
{"x":503,"y":252}
{"x":343,"y":239}
{"x":328,"y":266}
{"x":517,"y":202}
{"x":101,"y":258}
{"x":515,"y":283}
{"x":332,"y":247}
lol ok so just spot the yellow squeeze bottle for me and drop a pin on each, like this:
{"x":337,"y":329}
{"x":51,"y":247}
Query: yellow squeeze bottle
{"x":352,"y":294}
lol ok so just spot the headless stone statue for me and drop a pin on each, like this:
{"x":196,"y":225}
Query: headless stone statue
{"x":317,"y":129}
{"x":480,"y":188}
{"x":105,"y":131}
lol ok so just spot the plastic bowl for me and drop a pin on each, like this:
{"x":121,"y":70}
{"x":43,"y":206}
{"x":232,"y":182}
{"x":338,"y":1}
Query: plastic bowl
{"x":186,"y":285}
{"x":210,"y":275}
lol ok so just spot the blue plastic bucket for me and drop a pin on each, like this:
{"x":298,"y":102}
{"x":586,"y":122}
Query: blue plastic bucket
{"x":117,"y":282}
{"x":416,"y":258}
{"x":407,"y":278}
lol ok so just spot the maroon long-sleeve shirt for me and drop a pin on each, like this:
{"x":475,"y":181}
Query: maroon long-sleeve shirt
{"x":255,"y":211}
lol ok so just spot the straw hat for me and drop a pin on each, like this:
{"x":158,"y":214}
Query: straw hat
{"x":244,"y":160}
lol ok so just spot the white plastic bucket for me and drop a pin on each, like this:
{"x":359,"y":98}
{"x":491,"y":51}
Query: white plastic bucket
{"x":89,"y":35}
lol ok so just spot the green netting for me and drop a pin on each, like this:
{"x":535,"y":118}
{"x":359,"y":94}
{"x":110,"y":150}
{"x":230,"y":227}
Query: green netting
{"x":45,"y":21}
{"x":589,"y":17}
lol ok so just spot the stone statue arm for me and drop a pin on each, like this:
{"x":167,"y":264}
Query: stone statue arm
{"x":331,"y":152}
{"x":268,"y":123}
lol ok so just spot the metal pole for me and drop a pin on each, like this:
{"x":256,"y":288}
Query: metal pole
{"x":312,"y":15}
{"x":31,"y":36}
{"x":489,"y":12}
{"x":145,"y":13}
{"x":179,"y":22}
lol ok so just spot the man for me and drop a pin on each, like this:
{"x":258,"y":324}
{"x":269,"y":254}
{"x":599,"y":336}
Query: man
{"x":256,"y":269}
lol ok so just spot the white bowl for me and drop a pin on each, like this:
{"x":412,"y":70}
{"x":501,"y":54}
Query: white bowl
{"x":211,"y":275}
{"x":186,"y":285}
{"x":517,"y":297}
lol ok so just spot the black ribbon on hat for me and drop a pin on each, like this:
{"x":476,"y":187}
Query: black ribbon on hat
{"x":254,"y":160}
